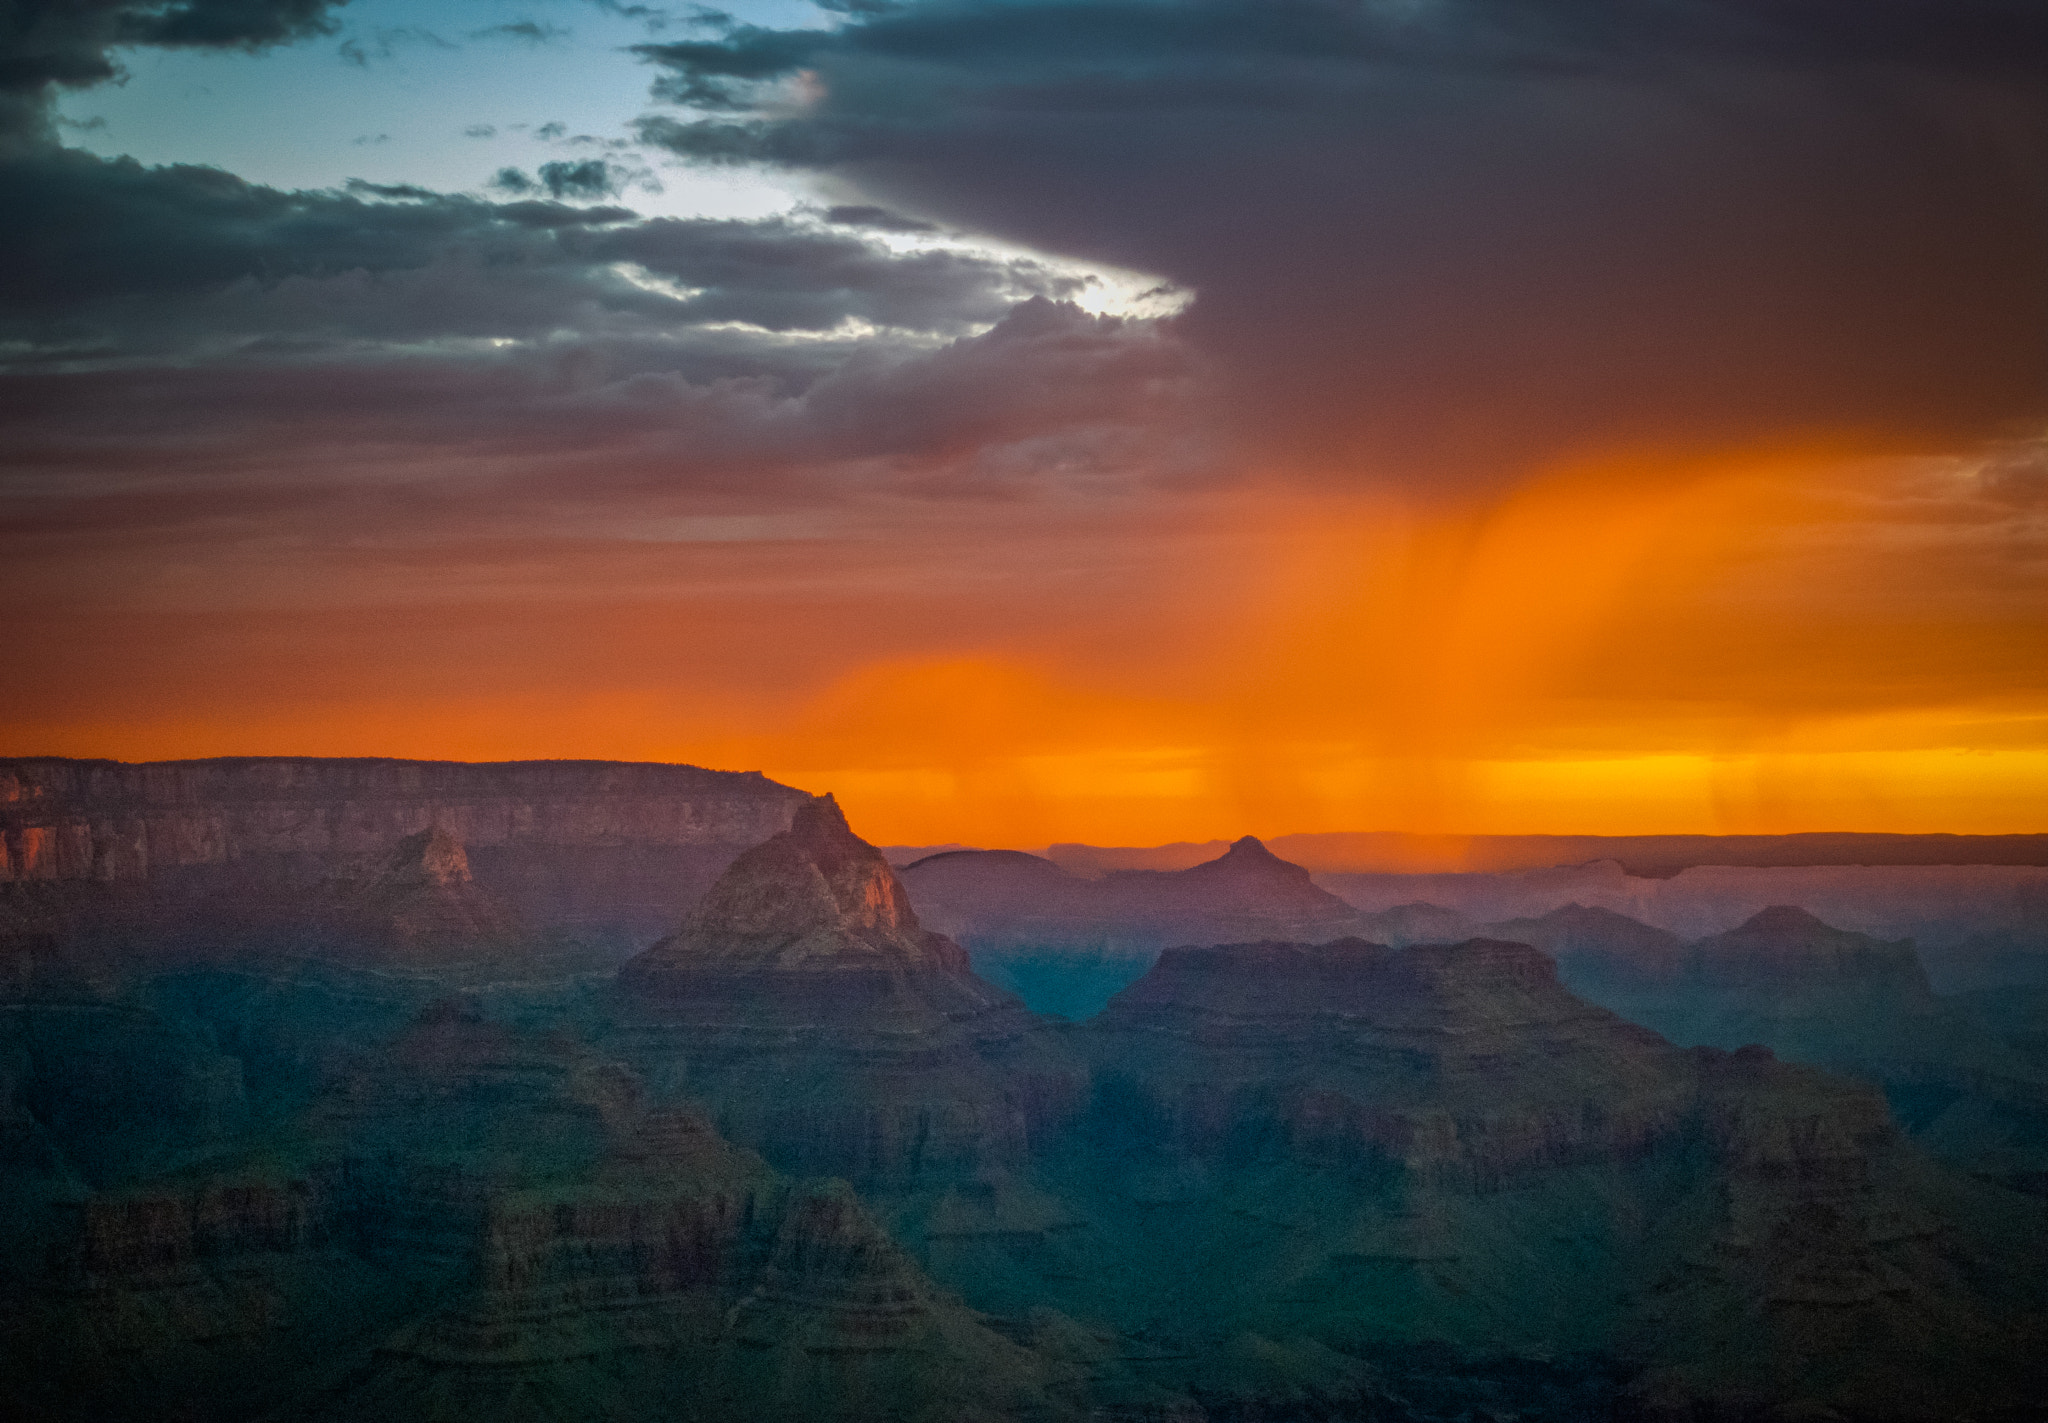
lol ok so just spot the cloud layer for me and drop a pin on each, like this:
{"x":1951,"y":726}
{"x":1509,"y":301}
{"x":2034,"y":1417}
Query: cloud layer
{"x":1647,"y":390}
{"x":1460,"y":234}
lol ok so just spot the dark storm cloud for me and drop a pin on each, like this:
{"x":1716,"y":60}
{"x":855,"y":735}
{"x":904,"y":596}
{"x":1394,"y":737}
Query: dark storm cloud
{"x":44,"y":43}
{"x":100,"y":256}
{"x":589,"y":179}
{"x":1474,"y":233}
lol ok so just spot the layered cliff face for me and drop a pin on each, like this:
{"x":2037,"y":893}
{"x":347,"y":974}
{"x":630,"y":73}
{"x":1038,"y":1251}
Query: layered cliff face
{"x":683,"y":1277}
{"x":1467,"y":1064}
{"x":481,"y":1223}
{"x":825,"y":1026}
{"x":422,"y":906}
{"x":237,"y":843}
{"x":814,"y":899}
{"x":1273,"y":1180}
{"x":1443,"y":1143}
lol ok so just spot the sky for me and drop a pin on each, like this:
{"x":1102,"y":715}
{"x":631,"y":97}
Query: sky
{"x":1117,"y":421}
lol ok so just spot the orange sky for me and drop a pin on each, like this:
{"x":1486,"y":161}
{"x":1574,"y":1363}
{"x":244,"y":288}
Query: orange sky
{"x":1795,"y":639}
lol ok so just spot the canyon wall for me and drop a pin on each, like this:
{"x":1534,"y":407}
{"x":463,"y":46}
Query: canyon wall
{"x":578,"y":843}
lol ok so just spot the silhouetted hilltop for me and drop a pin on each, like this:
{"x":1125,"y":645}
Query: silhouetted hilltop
{"x":1068,"y":942}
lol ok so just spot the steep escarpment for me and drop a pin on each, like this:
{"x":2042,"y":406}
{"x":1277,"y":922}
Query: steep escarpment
{"x":826,"y":1027}
{"x":237,"y":842}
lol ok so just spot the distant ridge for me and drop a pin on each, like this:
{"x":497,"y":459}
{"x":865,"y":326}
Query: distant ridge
{"x":1645,"y":856}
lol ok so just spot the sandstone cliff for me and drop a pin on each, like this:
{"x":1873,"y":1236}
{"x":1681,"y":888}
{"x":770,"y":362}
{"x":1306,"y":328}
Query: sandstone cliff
{"x":236,"y":841}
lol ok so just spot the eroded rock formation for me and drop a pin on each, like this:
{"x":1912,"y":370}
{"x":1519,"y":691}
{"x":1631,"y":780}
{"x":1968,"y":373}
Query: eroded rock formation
{"x":825,"y":1026}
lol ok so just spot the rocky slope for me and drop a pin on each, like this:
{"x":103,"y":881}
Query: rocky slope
{"x":426,"y":904}
{"x":823,"y":1025}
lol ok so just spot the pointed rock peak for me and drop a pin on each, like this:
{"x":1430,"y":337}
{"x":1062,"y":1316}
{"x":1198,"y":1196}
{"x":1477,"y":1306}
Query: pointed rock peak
{"x":1785,"y":919}
{"x":1249,"y":856}
{"x":820,"y":818}
{"x":433,"y":856}
{"x":816,"y":896}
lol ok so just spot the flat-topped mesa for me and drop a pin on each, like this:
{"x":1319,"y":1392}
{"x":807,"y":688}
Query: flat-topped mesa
{"x":1466,"y":1062}
{"x":1459,"y":992}
{"x":814,"y":899}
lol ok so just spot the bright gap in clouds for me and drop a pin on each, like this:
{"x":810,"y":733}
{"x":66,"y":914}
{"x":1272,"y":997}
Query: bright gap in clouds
{"x":444,"y":95}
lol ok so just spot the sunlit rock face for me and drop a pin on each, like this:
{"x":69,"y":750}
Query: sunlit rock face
{"x":815,"y":898}
{"x":803,"y":1002}
{"x":195,"y":850}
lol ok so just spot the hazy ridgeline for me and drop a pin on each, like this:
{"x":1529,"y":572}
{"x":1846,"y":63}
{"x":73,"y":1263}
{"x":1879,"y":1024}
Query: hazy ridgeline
{"x":357,"y":1090}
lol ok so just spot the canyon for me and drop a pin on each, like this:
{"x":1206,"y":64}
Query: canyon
{"x":413,"y":1139}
